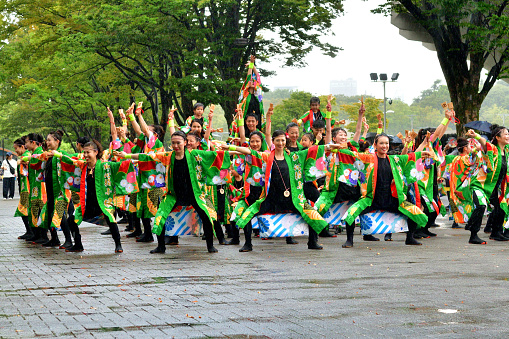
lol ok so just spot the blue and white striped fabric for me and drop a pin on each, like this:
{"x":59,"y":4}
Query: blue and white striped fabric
{"x":382,"y":222}
{"x":281,"y":225}
{"x":183,"y":222}
{"x":336,"y":212}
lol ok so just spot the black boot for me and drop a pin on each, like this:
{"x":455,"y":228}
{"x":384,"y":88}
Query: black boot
{"x":147,"y":231}
{"x":313,"y":240}
{"x":115,"y":234}
{"x":78,"y":246}
{"x":248,"y":231}
{"x":219,"y":232}
{"x":369,"y":237}
{"x":228,"y":230}
{"x":34,"y":234}
{"x":67,"y":233}
{"x":428,"y":233}
{"x":43,"y":236}
{"x":137,"y":227}
{"x":419,"y":234}
{"x":28,"y":229}
{"x":506,"y":233}
{"x":234,"y":232}
{"x":410,"y":234}
{"x":388,"y":237}
{"x":455,"y":225}
{"x":326,"y":234}
{"x":349,"y":236}
{"x":161,"y":246}
{"x":474,"y":239}
{"x":210,"y":244}
{"x":291,"y":241}
{"x":54,"y":241}
{"x":173,"y":240}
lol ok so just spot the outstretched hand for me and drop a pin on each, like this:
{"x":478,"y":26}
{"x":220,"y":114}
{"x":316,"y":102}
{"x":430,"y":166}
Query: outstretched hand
{"x":110,"y":115}
{"x":139,"y":109}
{"x":121,"y":154}
{"x":470,"y":133}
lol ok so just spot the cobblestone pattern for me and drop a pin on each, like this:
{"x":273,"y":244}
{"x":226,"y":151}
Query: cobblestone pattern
{"x":382,"y":289}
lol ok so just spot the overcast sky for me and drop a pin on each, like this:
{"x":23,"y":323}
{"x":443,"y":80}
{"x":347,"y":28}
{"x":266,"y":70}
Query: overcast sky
{"x":371,"y":44}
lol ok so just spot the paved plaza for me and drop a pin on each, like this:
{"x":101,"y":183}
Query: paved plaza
{"x":445,"y":288}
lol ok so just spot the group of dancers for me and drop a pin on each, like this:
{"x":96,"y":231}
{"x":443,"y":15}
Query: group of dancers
{"x":258,"y":172}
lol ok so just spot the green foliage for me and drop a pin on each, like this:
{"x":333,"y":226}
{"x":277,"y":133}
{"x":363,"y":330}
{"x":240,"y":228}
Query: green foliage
{"x":64,"y":62}
{"x":469,"y":36}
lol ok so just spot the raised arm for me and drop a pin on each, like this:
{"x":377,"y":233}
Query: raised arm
{"x":143,"y":124}
{"x":440,"y":130}
{"x":113,"y":128}
{"x":328,"y":121}
{"x":358,"y":128}
{"x":171,"y":121}
{"x":366,"y":128}
{"x":240,"y":125}
{"x":209,"y":128}
{"x":268,"y":126}
{"x":132,"y":118}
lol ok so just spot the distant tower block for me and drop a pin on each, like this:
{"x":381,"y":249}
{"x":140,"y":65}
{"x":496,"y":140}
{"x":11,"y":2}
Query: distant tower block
{"x":346,"y":87}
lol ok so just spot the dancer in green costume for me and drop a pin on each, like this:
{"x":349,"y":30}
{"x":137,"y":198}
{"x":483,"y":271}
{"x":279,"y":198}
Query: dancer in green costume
{"x":490,"y":184}
{"x":23,"y":208}
{"x":99,"y":182}
{"x":387,"y":179}
{"x":187,"y":174}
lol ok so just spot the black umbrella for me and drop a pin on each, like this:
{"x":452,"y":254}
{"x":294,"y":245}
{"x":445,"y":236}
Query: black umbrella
{"x":395,"y":140}
{"x":482,"y":126}
{"x":371,"y":135}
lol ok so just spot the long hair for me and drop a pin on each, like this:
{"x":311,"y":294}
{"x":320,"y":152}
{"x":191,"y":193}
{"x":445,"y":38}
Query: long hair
{"x":96,"y":145}
{"x":495,"y":132}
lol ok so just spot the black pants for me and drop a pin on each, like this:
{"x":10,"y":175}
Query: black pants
{"x":497,"y":216}
{"x":8,"y":184}
{"x":475,"y":221}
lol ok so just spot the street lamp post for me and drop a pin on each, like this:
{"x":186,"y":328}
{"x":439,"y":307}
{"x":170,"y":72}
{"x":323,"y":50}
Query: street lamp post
{"x":383,"y":78}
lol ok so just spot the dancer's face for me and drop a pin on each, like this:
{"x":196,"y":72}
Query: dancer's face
{"x":30,"y":145}
{"x":382,"y":145}
{"x":306,"y":142}
{"x":293,"y":133}
{"x":19,"y":149}
{"x":178,"y":144}
{"x":196,"y":128}
{"x":192,"y":143}
{"x":251,"y":124}
{"x":255,"y":142}
{"x":52,"y":143}
{"x":280,"y":142}
{"x":90,"y":154}
{"x":198,"y":112}
{"x":315,"y":106}
{"x":503,"y":137}
{"x":340,"y":138}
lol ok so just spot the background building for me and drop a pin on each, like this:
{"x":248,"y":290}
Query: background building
{"x":346,"y":87}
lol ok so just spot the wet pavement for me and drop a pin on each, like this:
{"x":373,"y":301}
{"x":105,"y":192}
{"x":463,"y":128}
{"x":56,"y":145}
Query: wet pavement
{"x":444,"y":288}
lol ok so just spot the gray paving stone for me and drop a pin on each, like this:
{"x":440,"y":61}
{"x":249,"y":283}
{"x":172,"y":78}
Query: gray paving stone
{"x":372,"y":290}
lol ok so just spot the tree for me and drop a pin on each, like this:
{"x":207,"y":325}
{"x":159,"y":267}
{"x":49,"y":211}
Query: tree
{"x":468,"y":35}
{"x":372,"y":106}
{"x":174,"y":52}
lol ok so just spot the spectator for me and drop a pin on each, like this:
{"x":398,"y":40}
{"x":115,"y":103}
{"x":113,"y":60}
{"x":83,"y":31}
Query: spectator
{"x":9,"y":167}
